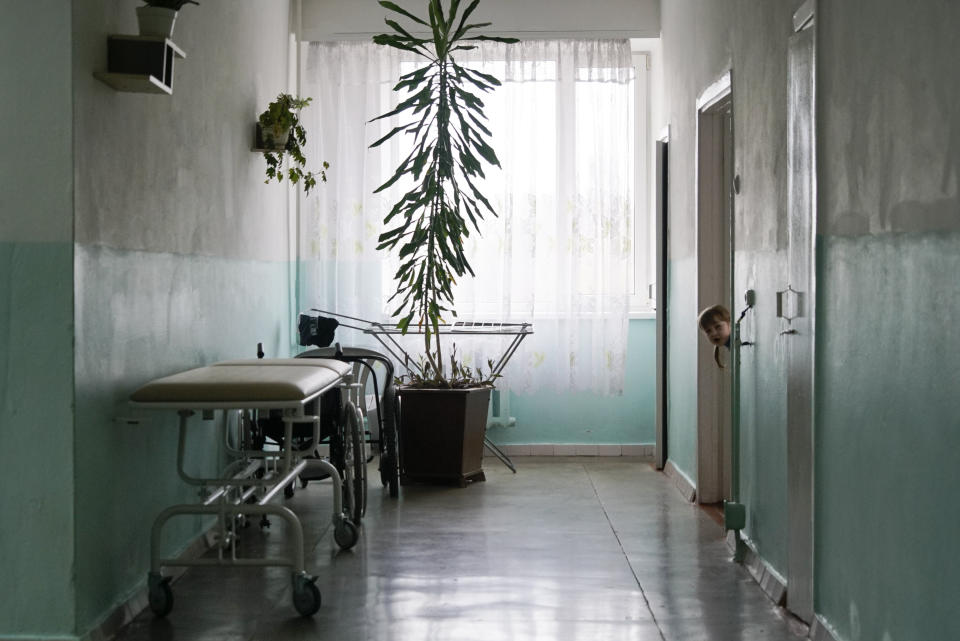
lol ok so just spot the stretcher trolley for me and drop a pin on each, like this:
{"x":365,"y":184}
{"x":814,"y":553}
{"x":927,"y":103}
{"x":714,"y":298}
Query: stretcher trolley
{"x":249,"y":483}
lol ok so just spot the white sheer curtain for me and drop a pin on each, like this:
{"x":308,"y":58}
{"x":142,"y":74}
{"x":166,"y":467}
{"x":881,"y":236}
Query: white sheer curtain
{"x":559,"y":255}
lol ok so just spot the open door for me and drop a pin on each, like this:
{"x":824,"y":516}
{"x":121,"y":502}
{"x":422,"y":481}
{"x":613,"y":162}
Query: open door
{"x":714,"y":237}
{"x":796,"y":309}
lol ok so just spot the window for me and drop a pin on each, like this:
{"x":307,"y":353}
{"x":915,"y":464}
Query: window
{"x":562,"y":252}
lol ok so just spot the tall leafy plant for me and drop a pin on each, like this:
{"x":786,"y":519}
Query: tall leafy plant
{"x":443,"y":114}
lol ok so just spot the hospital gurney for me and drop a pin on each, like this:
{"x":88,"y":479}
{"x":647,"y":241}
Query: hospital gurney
{"x":248,"y":484}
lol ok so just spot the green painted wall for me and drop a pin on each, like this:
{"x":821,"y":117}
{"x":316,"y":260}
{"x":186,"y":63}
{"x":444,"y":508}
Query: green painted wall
{"x":37,"y":554}
{"x":581,"y":417}
{"x":36,"y":438}
{"x":887,"y":426}
{"x":141,"y":315}
{"x":888,"y":436}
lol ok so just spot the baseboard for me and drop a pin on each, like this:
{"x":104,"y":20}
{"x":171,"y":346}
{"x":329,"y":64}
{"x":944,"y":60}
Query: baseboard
{"x":681,"y":481}
{"x":820,"y":630}
{"x":139,"y":601}
{"x":34,"y":637}
{"x":639,"y":450}
{"x":770,"y":581}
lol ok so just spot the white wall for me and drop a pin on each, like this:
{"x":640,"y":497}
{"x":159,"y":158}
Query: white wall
{"x":176,"y":173}
{"x":340,"y":20}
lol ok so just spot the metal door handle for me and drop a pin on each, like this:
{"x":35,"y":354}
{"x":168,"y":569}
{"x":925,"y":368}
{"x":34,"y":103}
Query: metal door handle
{"x":790,"y":304}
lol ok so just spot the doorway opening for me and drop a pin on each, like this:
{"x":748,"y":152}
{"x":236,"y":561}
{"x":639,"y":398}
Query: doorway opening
{"x":714,"y":286}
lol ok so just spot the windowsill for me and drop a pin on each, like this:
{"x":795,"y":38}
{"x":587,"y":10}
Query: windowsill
{"x":642,"y":315}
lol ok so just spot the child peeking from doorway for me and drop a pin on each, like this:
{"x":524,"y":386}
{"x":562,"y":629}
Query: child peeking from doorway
{"x":715,"y":323}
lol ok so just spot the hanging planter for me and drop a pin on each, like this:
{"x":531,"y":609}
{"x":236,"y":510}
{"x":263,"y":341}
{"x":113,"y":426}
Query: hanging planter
{"x":157,"y":17}
{"x":274,"y":138}
{"x":280,"y":134}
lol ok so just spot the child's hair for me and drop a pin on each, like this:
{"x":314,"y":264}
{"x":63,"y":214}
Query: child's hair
{"x":713,"y":314}
{"x":709,"y":316}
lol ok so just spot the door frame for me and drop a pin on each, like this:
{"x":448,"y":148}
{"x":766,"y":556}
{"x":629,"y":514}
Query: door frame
{"x":714,"y":233}
{"x":662,"y":213}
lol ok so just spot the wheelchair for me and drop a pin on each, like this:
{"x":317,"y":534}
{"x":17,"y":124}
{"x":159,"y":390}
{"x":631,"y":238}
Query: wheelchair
{"x":382,"y":432}
{"x":342,"y":420}
{"x":341,"y":429}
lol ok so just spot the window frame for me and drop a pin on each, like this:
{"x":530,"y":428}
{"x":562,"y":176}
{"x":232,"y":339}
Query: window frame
{"x":642,"y":301}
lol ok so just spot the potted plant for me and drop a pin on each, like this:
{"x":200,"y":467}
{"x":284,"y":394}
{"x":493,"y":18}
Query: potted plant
{"x":442,"y":423}
{"x":280,"y":133}
{"x":444,"y":119}
{"x":156,"y":17}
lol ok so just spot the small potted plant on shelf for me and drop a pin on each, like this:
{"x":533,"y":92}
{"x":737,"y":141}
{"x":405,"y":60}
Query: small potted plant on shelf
{"x":279,"y":134}
{"x":156,"y":17}
{"x":443,"y":412}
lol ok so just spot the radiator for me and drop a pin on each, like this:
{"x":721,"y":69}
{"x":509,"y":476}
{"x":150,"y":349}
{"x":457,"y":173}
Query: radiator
{"x":499,"y":415}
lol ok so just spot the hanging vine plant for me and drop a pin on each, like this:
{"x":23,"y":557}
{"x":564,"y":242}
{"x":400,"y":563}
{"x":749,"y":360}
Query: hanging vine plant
{"x":283,"y":135}
{"x":445,"y":118}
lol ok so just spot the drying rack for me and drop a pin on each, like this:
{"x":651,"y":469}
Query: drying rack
{"x":386,"y":334}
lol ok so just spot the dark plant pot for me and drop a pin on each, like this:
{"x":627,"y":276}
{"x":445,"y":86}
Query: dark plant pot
{"x":441,"y":434}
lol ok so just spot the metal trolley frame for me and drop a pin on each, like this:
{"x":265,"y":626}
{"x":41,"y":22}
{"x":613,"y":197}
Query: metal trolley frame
{"x":248,"y":484}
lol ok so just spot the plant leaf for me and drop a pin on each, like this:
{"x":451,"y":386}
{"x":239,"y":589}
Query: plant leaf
{"x":502,"y":39}
{"x":463,"y":19}
{"x":393,"y":7}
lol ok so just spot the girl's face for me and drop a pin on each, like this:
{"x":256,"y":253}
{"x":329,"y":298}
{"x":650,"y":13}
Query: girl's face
{"x":717,"y":331}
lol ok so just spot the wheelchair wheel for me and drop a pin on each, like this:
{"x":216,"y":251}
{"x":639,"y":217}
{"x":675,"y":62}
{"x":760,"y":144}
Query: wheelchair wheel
{"x":354,"y":466}
{"x":364,"y":460}
{"x":389,"y":460}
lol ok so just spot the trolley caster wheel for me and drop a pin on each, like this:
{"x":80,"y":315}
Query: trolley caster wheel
{"x":303,"y":483}
{"x":306,"y":595}
{"x":160,"y":595}
{"x":346,"y":534}
{"x":288,"y":491}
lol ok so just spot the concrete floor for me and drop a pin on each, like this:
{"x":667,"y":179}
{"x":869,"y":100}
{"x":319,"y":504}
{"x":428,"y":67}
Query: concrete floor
{"x":585,"y":549}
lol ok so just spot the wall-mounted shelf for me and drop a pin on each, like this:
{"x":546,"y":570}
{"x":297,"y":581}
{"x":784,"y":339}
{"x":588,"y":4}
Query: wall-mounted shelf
{"x":141,"y":64}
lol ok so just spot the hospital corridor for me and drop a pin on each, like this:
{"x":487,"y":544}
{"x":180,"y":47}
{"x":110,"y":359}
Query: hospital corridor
{"x":479,"y":320}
